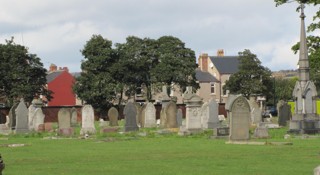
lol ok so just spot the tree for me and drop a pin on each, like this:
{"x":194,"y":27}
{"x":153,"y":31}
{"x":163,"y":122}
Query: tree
{"x":313,"y":42}
{"x":176,"y":63}
{"x":251,"y":79}
{"x":22,"y":74}
{"x":96,"y":85}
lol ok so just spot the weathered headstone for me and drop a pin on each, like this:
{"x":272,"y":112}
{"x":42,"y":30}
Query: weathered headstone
{"x":164,"y":98}
{"x":113,"y":116}
{"x":261,"y":131}
{"x":74,"y":117}
{"x":13,"y":116}
{"x":256,"y":112}
{"x":87,"y":120}
{"x":138,"y":115}
{"x":239,"y":119}
{"x":22,"y":118}
{"x":142,"y":115}
{"x":35,"y":104}
{"x":193,"y":109}
{"x":316,"y":171}
{"x":179,"y":117}
{"x":150,"y":116}
{"x":209,"y":115}
{"x":130,"y":113}
{"x":64,"y":122}
{"x":171,"y":115}
{"x":38,"y":120}
{"x":284,"y":113}
{"x":4,"y":128}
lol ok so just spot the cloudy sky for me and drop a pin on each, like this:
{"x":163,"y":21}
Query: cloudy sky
{"x":56,"y":30}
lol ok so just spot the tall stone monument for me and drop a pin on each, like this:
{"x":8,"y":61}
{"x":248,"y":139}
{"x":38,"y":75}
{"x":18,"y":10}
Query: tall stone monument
{"x":193,"y":110}
{"x":87,"y":120}
{"x":305,"y":118}
{"x":22,"y":118}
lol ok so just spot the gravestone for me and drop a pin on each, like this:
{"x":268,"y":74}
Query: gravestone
{"x":239,"y":115}
{"x":209,"y":115}
{"x":261,"y":132}
{"x":163,"y":118}
{"x":130,"y":113}
{"x":193,"y":110}
{"x":13,"y":116}
{"x":142,"y":115}
{"x":256,"y":112}
{"x":22,"y":118}
{"x":74,"y":117}
{"x":171,"y":115}
{"x":179,"y":117}
{"x":284,"y":113}
{"x":38,"y":120}
{"x":64,"y":122}
{"x":113,"y":116}
{"x":316,"y":171}
{"x":164,"y":98}
{"x":32,"y":110}
{"x":4,"y":128}
{"x":150,"y":116}
{"x":87,"y":120}
{"x":138,"y":115}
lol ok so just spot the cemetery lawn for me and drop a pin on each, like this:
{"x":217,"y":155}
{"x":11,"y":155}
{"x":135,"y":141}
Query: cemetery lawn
{"x":168,"y":154}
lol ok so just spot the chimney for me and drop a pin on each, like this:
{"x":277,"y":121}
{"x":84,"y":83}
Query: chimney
{"x":220,"y":53}
{"x":52,"y":68}
{"x":203,"y":62}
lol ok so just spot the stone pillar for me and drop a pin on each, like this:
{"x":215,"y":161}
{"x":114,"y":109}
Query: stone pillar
{"x":193,"y":110}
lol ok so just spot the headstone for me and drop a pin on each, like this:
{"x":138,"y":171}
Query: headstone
{"x":64,"y":122}
{"x":138,"y":115}
{"x":32,"y":110}
{"x":130,"y":113}
{"x":261,"y":132}
{"x":163,"y":118}
{"x":164,"y":98}
{"x":171,"y":115}
{"x":150,"y":116}
{"x":142,"y":116}
{"x":284,"y":113}
{"x":256,"y":112}
{"x":179,"y":117}
{"x":209,"y":115}
{"x":4,"y":127}
{"x":74,"y":117}
{"x":87,"y":120}
{"x":239,"y":115}
{"x":38,"y":120}
{"x":193,"y":109}
{"x":113,"y":116}
{"x":316,"y":171}
{"x":13,"y":116}
{"x":22,"y":118}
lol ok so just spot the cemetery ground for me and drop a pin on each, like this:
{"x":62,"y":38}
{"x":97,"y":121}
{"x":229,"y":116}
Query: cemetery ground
{"x":148,"y":152}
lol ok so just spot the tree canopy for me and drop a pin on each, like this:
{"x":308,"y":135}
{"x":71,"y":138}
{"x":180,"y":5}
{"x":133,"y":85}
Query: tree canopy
{"x":251,"y":79}
{"x":22,"y":74}
{"x":109,"y":72}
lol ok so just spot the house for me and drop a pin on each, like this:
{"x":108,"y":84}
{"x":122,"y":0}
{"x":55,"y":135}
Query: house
{"x":221,"y":68}
{"x":60,"y":82}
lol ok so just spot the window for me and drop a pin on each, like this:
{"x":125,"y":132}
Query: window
{"x":212,"y":88}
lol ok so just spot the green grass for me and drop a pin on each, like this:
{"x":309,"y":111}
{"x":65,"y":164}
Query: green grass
{"x":130,"y":153}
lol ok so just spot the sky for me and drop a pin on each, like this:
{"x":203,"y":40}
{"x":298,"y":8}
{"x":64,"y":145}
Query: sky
{"x":57,"y":30}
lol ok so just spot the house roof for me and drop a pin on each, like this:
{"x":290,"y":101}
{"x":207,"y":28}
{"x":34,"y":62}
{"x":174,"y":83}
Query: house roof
{"x":226,"y":64}
{"x":202,"y":76}
{"x":53,"y":75}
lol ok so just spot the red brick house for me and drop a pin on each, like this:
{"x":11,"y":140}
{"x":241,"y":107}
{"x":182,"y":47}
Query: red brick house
{"x":60,"y":82}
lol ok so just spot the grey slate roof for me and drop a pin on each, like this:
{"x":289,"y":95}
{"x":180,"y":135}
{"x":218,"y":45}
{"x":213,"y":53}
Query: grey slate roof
{"x":226,"y":64}
{"x":202,"y":76}
{"x":53,"y":75}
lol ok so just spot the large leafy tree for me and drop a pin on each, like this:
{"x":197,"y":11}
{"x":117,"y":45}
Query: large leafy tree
{"x":252,"y":78}
{"x":313,"y":42}
{"x":96,"y":84}
{"x":176,"y":63}
{"x":22,"y":74}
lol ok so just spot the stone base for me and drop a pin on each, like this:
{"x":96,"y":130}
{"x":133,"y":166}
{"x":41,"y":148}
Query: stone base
{"x":89,"y":131}
{"x":21,"y":131}
{"x":304,"y":127}
{"x":4,"y":130}
{"x":131,"y":128}
{"x":109,"y":130}
{"x":184,"y":131}
{"x":66,"y":132}
{"x":261,"y":132}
